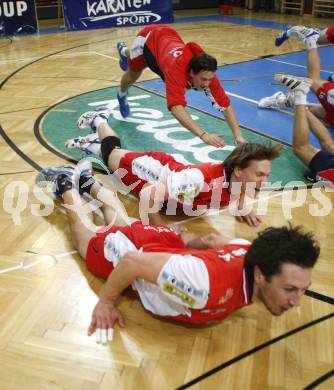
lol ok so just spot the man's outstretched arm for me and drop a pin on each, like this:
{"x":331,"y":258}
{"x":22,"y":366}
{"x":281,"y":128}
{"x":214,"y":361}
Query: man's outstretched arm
{"x":132,"y":266}
{"x":180,"y":113}
{"x":234,"y":125}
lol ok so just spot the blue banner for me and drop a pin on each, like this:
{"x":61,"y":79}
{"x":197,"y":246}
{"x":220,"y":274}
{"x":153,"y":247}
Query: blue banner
{"x":88,"y":14}
{"x":17,"y":17}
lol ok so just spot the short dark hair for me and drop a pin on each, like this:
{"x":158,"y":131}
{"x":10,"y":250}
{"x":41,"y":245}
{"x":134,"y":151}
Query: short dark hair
{"x":276,"y":246}
{"x":202,"y":62}
{"x":245,"y":153}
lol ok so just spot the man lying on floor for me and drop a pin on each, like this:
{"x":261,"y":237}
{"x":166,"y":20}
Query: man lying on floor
{"x":189,"y":279}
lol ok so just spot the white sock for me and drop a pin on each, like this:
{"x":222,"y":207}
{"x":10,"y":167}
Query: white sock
{"x":122,"y":94}
{"x":123,"y":51}
{"x":311,"y":43}
{"x":95,"y":148}
{"x":98,"y":121}
{"x":300,"y":98}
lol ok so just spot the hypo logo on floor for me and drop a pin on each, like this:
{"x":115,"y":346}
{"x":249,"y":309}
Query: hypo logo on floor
{"x":151,"y":120}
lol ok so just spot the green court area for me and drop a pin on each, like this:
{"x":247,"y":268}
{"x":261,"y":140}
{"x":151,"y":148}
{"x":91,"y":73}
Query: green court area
{"x":152,"y":127}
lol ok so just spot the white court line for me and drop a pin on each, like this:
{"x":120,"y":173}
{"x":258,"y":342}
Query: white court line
{"x":257,"y":101}
{"x":297,"y":65}
{"x":267,"y":59}
{"x":69,"y":55}
{"x":105,"y":55}
{"x":233,"y":51}
{"x":33,"y":264}
{"x":225,"y":210}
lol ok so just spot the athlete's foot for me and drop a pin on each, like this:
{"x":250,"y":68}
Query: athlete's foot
{"x":124,"y":107}
{"x":123,"y":60}
{"x":276,"y":100}
{"x":294,"y":83}
{"x":89,"y":145}
{"x":64,"y":178}
{"x":87,"y":119}
{"x":306,"y":35}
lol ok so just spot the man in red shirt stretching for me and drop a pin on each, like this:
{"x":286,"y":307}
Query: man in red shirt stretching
{"x":181,"y":66}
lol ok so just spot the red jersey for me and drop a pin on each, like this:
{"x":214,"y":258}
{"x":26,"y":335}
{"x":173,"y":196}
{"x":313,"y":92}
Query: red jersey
{"x":207,"y":285}
{"x":139,"y":235}
{"x":169,"y":57}
{"x":325,"y":95}
{"x":230,"y":285}
{"x":330,"y":34}
{"x":193,"y":184}
{"x":327,"y":175}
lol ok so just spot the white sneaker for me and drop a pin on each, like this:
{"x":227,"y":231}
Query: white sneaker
{"x":89,"y":144}
{"x":86,"y":120}
{"x":303,"y":33}
{"x":294,"y":83}
{"x":290,"y":100}
{"x":278,"y":99}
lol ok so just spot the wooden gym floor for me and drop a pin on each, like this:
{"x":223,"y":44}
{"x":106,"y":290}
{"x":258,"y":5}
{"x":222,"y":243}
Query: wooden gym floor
{"x":46,"y":309}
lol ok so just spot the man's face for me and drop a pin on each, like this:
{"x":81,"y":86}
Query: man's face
{"x":284,"y":290}
{"x":202,"y":79}
{"x":256,"y":173}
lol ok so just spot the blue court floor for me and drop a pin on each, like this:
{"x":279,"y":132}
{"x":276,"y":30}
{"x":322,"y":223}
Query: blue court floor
{"x":247,"y":82}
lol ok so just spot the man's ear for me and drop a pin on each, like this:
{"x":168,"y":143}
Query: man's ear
{"x":237,"y":172}
{"x":259,"y":278}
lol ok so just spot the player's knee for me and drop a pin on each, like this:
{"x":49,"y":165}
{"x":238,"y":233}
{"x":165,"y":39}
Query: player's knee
{"x":108,"y":144}
{"x":329,"y":146}
{"x":317,"y":83}
{"x":302,"y":150}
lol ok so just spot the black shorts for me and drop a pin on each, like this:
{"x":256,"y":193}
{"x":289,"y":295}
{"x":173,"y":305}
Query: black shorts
{"x":320,"y":162}
{"x":152,"y":62}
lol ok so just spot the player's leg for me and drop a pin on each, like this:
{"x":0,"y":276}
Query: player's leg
{"x":113,"y":209}
{"x":127,"y":80}
{"x":321,"y":132}
{"x":81,"y":223}
{"x":65,"y":183}
{"x":133,"y":63}
{"x":301,"y":146}
{"x":299,"y":87}
{"x":313,"y":68}
{"x":318,"y":111}
{"x":106,"y":143}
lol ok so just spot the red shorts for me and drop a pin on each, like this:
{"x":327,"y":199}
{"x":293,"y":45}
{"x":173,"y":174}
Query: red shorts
{"x":149,"y":238}
{"x":137,"y":63}
{"x":326,"y":99}
{"x":126,"y":163}
{"x":330,"y":34}
{"x":96,"y":263}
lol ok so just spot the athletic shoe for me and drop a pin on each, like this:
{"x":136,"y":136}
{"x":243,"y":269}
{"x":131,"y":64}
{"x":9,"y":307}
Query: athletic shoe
{"x":290,"y":100}
{"x":124,"y":107}
{"x":66,"y":177}
{"x":123,"y":60}
{"x":294,"y":83}
{"x":281,"y":37}
{"x":276,"y":100}
{"x":301,"y":32}
{"x":89,"y":145}
{"x":86,"y":120}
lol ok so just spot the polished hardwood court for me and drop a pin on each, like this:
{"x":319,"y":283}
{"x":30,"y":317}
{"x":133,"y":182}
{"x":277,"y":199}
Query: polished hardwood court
{"x":46,"y":308}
